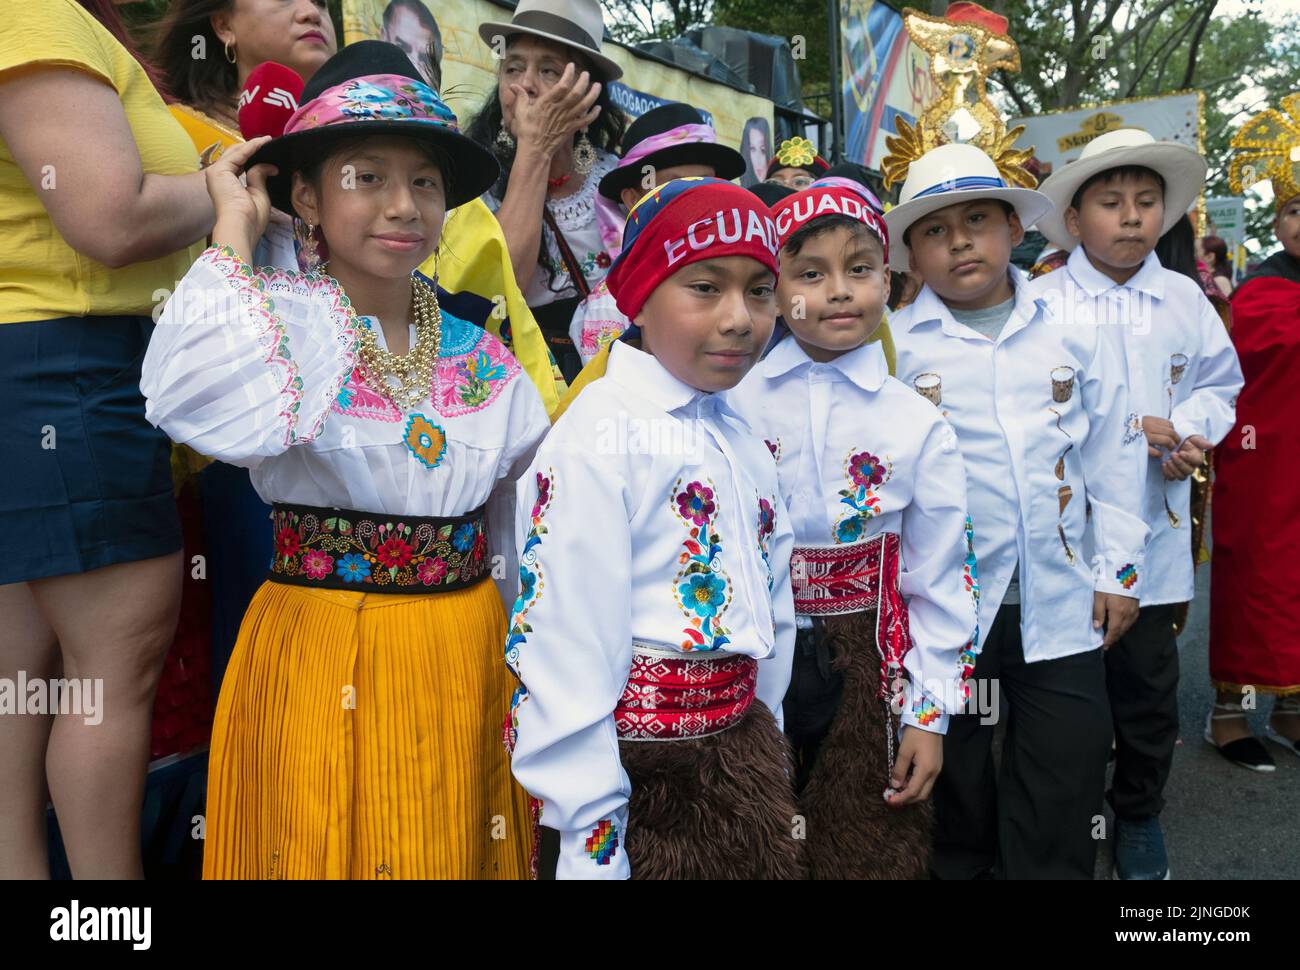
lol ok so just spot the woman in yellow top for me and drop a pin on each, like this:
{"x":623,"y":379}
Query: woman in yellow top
{"x":102,"y":208}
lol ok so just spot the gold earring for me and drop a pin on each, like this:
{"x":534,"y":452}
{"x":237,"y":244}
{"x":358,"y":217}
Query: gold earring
{"x":229,"y":55}
{"x":584,"y":155}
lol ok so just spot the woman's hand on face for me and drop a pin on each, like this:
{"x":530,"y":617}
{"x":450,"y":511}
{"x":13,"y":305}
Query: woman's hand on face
{"x":548,"y":121}
{"x":242,"y":202}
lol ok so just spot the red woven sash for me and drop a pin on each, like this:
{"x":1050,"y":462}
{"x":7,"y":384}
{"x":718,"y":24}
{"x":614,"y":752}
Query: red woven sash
{"x":831,"y":580}
{"x":671,"y":696}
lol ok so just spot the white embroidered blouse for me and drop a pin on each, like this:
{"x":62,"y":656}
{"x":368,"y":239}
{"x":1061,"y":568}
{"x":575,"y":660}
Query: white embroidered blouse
{"x":650,"y":514}
{"x":576,"y":216}
{"x":258,"y":368}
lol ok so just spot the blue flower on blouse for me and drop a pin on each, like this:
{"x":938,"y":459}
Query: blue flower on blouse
{"x":353,"y":568}
{"x":527,"y":586}
{"x":703,"y":593}
{"x":850,"y":530}
{"x":464,"y":537}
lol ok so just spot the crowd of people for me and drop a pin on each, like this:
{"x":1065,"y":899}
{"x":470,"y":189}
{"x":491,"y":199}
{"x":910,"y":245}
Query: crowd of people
{"x":622,"y":521}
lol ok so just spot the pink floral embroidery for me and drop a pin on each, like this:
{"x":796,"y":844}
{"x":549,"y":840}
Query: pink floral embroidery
{"x":470,"y":381}
{"x":317,"y":564}
{"x":432,"y":570}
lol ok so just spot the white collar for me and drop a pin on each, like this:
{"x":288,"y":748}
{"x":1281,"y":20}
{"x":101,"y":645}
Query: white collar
{"x":1149,"y":279}
{"x":928,"y":307}
{"x":643,"y":375}
{"x":865,"y":366}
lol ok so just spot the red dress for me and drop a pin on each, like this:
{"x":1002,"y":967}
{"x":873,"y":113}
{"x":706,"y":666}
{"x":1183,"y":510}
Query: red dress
{"x":1255,"y":582}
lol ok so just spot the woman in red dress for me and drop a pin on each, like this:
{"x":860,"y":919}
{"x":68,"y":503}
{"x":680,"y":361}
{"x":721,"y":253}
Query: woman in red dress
{"x":1255,"y":584}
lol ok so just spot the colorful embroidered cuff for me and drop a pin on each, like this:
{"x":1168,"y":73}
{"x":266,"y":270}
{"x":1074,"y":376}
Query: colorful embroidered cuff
{"x":1121,"y":577}
{"x":596,"y":851}
{"x":923,"y":711}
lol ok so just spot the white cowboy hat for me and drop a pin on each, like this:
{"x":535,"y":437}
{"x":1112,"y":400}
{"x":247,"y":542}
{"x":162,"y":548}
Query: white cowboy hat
{"x":949,"y":175}
{"x":573,"y":23}
{"x":1181,"y":167}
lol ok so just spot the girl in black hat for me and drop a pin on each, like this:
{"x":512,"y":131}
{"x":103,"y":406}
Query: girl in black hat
{"x":358,"y":732}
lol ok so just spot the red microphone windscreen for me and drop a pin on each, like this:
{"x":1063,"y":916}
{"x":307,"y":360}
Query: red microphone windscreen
{"x":268,"y":100}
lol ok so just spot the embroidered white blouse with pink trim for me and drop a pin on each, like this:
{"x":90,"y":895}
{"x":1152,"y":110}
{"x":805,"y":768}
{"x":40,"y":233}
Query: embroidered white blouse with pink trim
{"x":258,"y":368}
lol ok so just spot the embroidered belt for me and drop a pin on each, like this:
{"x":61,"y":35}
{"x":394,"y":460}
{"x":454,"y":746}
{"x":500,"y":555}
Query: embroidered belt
{"x":376,"y":553}
{"x":673,"y":696}
{"x":833,"y":580}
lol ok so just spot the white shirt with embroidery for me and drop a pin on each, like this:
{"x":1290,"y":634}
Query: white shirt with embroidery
{"x":858,"y":454}
{"x":576,"y":217}
{"x":1042,"y":418}
{"x":1181,"y":367}
{"x":258,"y":368}
{"x":651,"y":514}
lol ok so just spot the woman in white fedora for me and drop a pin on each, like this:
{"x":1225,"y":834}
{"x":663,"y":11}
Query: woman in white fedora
{"x":552,"y":126}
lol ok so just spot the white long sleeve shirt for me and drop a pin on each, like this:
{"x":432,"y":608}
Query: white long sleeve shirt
{"x":827,"y":422}
{"x":257,"y":367}
{"x":1181,"y":367}
{"x":651,"y":514}
{"x":1043,"y":422}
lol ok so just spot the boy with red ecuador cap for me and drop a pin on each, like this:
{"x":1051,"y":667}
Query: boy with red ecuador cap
{"x":883,"y":570}
{"x":654,"y":628}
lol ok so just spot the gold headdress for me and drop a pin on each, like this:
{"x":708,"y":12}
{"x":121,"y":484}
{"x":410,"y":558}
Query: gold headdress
{"x":966,"y":45}
{"x":1268,"y":147}
{"x":798,"y":152}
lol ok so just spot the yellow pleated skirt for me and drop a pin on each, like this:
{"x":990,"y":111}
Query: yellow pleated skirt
{"x":359,"y":736}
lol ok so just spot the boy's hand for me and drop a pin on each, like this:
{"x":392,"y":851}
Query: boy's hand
{"x":921,"y":753}
{"x":1118,"y":613}
{"x":1184,"y":462}
{"x":1161,"y":436}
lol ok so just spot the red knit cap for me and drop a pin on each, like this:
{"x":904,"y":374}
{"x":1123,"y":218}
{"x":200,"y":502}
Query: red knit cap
{"x":680,"y":223}
{"x":795,"y":211}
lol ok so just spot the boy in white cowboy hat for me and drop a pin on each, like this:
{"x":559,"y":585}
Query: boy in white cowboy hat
{"x":1039,"y":415}
{"x":1112,"y":206}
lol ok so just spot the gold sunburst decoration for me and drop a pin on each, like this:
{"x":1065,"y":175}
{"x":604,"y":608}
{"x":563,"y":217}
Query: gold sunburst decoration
{"x":965,"y":46}
{"x":796,"y":152}
{"x":1268,"y":147}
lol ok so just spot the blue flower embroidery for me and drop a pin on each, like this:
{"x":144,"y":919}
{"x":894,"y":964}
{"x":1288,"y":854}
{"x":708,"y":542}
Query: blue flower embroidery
{"x":704,"y":593}
{"x":463,"y":538}
{"x":353,"y":568}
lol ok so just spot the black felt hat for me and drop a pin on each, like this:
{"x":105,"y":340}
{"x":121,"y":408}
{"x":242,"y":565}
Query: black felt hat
{"x":371,"y":87}
{"x":727,"y":163}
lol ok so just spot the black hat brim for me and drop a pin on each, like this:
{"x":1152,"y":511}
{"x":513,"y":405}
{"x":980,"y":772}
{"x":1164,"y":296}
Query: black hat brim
{"x":727,"y":164}
{"x":474,"y":168}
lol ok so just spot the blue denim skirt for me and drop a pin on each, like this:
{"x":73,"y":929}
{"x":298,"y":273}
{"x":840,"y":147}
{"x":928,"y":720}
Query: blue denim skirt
{"x":85,"y":480}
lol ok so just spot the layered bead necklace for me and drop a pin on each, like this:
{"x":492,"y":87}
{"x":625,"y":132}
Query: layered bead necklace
{"x":406,"y":379}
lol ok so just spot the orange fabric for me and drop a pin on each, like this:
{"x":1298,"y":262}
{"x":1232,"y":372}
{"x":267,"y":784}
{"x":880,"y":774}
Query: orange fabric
{"x":359,"y":736}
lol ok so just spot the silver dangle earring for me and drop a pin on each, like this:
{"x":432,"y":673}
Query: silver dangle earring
{"x":504,"y":140}
{"x":584,"y":155}
{"x":310,"y":255}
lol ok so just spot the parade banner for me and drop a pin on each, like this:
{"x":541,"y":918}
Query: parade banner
{"x":1226,"y":218}
{"x":1059,"y":136}
{"x":885,"y":76}
{"x":469,"y":68}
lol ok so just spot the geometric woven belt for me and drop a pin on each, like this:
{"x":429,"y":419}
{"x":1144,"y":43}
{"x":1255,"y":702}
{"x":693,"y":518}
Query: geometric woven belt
{"x":672,"y":696}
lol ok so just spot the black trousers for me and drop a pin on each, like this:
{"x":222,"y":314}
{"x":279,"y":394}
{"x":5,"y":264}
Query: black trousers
{"x":1142,"y":681}
{"x":1039,"y":817}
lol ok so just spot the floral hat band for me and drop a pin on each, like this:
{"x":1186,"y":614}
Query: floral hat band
{"x":376,"y":97}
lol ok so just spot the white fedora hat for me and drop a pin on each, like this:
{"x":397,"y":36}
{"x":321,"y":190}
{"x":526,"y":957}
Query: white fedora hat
{"x":949,"y":175}
{"x":1181,"y":167}
{"x":573,"y":23}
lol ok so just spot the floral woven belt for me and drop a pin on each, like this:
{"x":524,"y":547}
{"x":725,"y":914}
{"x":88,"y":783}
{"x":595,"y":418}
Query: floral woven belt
{"x":375,"y":553}
{"x":672,"y":696}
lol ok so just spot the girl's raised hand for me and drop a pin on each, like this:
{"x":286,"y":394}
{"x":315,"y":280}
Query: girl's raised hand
{"x":241,"y":208}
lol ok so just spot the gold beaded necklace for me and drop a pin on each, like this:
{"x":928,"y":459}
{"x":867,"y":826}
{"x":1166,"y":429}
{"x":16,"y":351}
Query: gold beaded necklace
{"x":412,"y":372}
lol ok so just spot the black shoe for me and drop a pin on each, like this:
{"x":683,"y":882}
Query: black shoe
{"x":1246,"y":752}
{"x":1140,"y":849}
